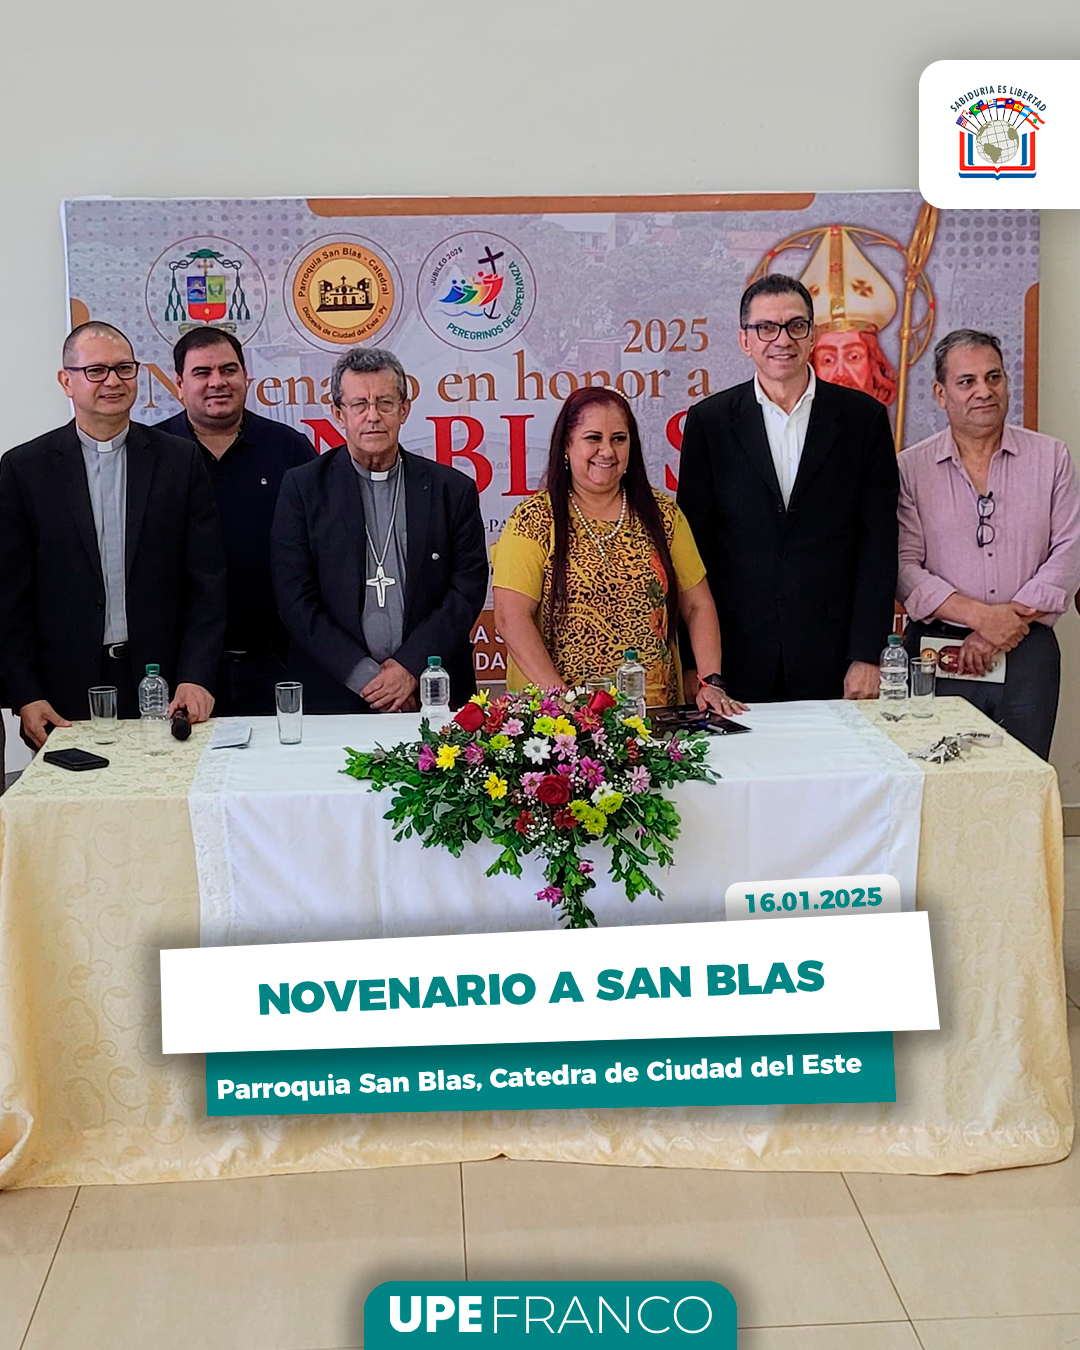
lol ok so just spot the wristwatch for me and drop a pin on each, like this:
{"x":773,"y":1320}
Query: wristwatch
{"x":716,"y":682}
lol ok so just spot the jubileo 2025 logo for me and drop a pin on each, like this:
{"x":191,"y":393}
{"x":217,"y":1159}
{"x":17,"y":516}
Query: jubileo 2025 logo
{"x":999,"y":125}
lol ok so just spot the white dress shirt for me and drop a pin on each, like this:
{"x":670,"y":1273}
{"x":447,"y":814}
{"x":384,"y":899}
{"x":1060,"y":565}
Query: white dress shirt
{"x":786,"y":432}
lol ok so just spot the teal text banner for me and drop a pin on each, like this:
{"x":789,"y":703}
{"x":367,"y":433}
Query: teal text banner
{"x":842,"y":1067}
{"x":510,"y":1313}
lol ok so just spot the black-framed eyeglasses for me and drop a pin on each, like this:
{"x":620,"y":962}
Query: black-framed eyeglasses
{"x":125,"y":370}
{"x":984,"y":531}
{"x":798,"y":328}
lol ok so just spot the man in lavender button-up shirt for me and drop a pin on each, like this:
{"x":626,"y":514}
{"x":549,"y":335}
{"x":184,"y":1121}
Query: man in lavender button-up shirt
{"x":990,"y":540}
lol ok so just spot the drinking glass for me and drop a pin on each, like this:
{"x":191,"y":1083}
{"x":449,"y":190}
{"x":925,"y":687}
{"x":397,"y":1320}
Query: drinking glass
{"x":923,"y":675}
{"x":104,"y":723}
{"x":289,"y":698}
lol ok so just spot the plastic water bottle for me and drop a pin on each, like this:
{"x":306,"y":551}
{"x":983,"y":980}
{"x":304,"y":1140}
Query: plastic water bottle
{"x":153,"y":709}
{"x":435,"y":693}
{"x":893,"y":690}
{"x":630,"y":683}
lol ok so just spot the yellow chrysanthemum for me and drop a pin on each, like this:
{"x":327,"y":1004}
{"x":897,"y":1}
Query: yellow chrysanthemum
{"x":579,"y":808}
{"x":637,"y":725}
{"x":481,"y":698}
{"x":446,"y":756}
{"x":564,"y":727}
{"x":500,"y":742}
{"x":495,"y":786}
{"x":544,"y":726}
{"x":595,"y":821}
{"x":610,"y":802}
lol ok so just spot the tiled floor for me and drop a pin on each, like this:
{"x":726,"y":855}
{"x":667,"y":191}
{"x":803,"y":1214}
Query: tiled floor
{"x":816,"y":1262}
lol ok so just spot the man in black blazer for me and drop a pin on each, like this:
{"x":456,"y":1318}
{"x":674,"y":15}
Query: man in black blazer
{"x":378,"y":556}
{"x":790,"y":486}
{"x":110,"y":552}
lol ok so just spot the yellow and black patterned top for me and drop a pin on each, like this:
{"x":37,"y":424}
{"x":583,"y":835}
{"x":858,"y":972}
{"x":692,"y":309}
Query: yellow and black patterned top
{"x":613,"y":602}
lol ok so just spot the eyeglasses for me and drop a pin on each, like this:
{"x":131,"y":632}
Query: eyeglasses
{"x":769,"y":332}
{"x":126,"y":370}
{"x":385,"y":406}
{"x":984,"y":531}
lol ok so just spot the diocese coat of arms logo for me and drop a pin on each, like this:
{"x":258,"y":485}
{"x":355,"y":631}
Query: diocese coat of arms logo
{"x":205,"y":280}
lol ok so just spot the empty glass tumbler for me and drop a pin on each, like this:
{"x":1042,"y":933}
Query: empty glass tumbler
{"x":104,"y":722}
{"x":923,"y":678}
{"x":289,"y":698}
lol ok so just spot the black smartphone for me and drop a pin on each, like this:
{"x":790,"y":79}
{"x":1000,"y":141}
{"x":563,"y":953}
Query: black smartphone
{"x":75,"y":760}
{"x":690,"y":718}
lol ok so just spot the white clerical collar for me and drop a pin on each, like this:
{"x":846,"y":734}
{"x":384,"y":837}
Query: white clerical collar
{"x":377,"y":475}
{"x":102,"y":447}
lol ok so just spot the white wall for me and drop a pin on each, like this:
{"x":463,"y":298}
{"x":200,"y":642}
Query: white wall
{"x":341,"y":97}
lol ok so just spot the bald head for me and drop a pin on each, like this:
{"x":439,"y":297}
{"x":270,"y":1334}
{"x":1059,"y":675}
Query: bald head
{"x":94,"y":329}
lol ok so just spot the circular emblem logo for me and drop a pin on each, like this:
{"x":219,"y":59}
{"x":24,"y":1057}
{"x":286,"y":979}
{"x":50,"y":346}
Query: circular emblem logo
{"x":206,"y":281}
{"x":340,"y":291}
{"x":476,"y":291}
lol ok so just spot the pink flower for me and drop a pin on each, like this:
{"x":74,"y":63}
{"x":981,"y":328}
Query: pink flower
{"x":675,"y":750}
{"x":564,"y":768}
{"x":551,"y":895}
{"x":591,"y":770}
{"x":599,"y":738}
{"x":425,"y":761}
{"x":639,"y":779}
{"x":531,"y":781}
{"x":474,"y":754}
{"x":584,"y":867}
{"x":513,"y":726}
{"x":566,"y":745}
{"x":549,"y":706}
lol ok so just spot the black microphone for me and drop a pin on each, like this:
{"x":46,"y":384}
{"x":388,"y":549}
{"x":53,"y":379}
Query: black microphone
{"x":181,"y":727}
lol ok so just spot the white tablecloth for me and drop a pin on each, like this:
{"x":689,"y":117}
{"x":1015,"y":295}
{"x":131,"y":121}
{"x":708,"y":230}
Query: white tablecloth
{"x":289,"y":849}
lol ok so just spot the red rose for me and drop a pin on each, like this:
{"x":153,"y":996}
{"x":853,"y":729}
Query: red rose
{"x":600,"y":701}
{"x":553,"y":790}
{"x":564,"y":820}
{"x":470,"y":717}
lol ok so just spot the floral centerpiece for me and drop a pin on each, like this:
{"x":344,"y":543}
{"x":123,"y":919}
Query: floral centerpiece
{"x":548,"y":773}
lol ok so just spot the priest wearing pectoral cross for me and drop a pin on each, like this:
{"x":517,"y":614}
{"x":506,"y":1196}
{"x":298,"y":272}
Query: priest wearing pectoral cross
{"x":378,"y":555}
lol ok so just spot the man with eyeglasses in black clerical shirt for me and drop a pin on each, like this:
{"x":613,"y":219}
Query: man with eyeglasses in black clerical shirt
{"x":989,"y":542}
{"x":246,"y":456}
{"x":110,"y":553}
{"x":790,"y":486}
{"x":378,"y":555}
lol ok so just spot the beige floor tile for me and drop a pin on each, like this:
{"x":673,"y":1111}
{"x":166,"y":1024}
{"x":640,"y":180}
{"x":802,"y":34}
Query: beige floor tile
{"x":862,"y":1336}
{"x":1001,"y":1333}
{"x":1000,"y":1244}
{"x":270,"y":1263}
{"x":1072,"y":873}
{"x":772,"y":1239}
{"x":30,"y":1226}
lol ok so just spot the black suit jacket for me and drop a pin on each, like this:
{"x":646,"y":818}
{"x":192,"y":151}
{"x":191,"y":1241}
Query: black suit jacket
{"x":52,"y":596}
{"x":317,"y":562}
{"x":813,"y":583}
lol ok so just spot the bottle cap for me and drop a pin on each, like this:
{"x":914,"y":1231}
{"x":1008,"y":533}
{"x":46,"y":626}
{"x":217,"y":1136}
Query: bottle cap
{"x":630,"y":654}
{"x":153,"y":669}
{"x":895,"y":639}
{"x":434,"y":660}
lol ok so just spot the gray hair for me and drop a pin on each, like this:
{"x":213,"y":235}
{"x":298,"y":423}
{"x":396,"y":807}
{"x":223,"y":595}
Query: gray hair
{"x":962,"y":337}
{"x":367,"y":361}
{"x":92,"y":328}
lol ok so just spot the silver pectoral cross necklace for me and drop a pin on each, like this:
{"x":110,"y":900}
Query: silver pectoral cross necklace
{"x":380,"y":580}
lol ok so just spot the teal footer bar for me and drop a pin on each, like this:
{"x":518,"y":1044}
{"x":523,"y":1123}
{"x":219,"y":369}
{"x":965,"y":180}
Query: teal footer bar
{"x":847,"y":1067}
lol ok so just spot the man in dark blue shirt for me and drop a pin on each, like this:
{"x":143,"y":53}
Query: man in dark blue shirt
{"x":246,"y":456}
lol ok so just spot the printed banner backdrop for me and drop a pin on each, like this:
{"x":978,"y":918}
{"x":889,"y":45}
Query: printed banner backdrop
{"x":498,"y":308}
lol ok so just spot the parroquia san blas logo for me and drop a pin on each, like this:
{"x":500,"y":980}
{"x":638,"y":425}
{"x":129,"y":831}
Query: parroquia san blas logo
{"x":998,"y":125}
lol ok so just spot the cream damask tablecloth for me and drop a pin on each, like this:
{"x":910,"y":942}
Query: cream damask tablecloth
{"x":97,"y":873}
